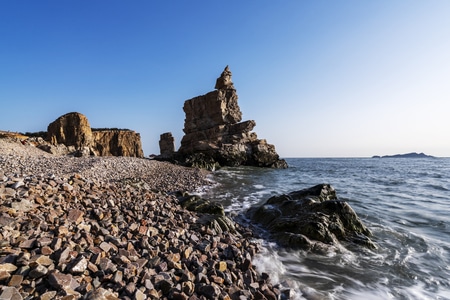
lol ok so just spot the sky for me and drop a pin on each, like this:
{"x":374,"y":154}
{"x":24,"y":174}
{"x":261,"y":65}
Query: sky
{"x":346,"y":78}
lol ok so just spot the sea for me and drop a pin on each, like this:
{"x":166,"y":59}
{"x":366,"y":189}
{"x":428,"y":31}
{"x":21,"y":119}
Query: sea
{"x":405,"y":202}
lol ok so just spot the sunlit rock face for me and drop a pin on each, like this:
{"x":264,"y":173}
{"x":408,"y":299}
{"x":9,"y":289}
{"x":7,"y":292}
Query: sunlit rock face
{"x":74,"y":131}
{"x":215,"y":133}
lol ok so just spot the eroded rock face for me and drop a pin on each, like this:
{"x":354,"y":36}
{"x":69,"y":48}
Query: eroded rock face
{"x":74,"y":132}
{"x":72,"y":129}
{"x":213,"y":129}
{"x":118,"y":143}
{"x":311,"y":219}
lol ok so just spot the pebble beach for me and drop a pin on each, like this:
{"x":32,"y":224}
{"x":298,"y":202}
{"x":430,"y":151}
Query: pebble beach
{"x":112,"y":228}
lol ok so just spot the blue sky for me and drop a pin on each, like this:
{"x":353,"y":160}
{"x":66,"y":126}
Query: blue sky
{"x":320,"y":78}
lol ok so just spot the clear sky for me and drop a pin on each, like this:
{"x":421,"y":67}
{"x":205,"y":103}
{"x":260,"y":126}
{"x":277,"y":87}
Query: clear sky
{"x":320,"y":78}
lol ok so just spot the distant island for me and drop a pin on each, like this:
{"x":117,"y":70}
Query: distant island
{"x":407,"y":155}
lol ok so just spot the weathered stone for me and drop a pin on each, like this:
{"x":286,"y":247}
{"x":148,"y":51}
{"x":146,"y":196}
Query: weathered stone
{"x":139,"y":295}
{"x":79,"y":265}
{"x":8,"y":267}
{"x":4,"y":275}
{"x":23,"y":205}
{"x":41,"y":260}
{"x":10,"y":293}
{"x":102,"y":294}
{"x":16,"y":280}
{"x":38,"y":271}
{"x":62,"y":281}
{"x":48,"y":295}
{"x":105,"y":246}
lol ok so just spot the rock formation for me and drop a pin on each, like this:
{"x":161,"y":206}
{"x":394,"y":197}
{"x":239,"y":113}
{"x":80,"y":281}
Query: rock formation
{"x":118,"y":143}
{"x":74,"y":131}
{"x":311,"y":219}
{"x":214,"y":132}
{"x":167,"y":145}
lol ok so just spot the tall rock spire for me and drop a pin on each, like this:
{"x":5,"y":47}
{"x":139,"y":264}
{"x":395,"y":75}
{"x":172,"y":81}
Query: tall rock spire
{"x":215,"y":133}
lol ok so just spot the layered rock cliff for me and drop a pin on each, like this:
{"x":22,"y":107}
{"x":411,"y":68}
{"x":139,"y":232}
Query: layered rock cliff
{"x":118,"y":143}
{"x":74,"y":131}
{"x":214,"y":132}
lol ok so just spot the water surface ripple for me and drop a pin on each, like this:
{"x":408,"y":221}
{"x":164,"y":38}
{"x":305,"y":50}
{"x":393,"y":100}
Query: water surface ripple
{"x":405,"y":203}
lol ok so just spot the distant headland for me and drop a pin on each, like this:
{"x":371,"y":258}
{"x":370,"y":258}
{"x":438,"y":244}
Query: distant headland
{"x":407,"y":155}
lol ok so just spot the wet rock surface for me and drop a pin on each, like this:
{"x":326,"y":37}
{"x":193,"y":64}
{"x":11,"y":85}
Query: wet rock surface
{"x":107,"y":228}
{"x":311,"y":219}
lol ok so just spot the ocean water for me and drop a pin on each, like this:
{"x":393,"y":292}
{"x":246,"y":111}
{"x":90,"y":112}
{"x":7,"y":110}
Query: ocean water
{"x":404,"y":202}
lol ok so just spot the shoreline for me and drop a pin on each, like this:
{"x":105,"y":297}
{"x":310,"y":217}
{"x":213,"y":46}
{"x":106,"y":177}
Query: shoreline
{"x":108,"y":228}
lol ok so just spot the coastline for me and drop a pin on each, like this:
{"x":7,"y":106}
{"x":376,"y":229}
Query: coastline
{"x":109,"y":228}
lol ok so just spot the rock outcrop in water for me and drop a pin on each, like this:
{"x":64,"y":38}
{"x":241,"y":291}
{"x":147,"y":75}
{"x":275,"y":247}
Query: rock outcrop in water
{"x":74,"y":131}
{"x":311,"y":219}
{"x":214,"y":133}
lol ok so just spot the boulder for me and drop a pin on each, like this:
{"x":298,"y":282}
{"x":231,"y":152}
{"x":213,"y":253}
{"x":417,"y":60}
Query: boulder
{"x":311,"y":219}
{"x":215,"y":133}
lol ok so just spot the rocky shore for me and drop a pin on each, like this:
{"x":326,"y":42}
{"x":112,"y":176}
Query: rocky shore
{"x":113,"y":228}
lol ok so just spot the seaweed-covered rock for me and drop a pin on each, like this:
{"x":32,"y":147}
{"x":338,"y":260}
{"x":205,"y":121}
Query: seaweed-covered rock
{"x":311,"y":219}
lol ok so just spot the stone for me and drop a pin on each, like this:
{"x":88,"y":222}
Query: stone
{"x":75,"y":215}
{"x":102,"y":294}
{"x":215,"y":134}
{"x":41,"y":260}
{"x":188,"y":287}
{"x":16,"y":280}
{"x":210,"y":291}
{"x":79,"y":266}
{"x":8,"y":267}
{"x":39,"y":271}
{"x":311,"y":219}
{"x":10,"y":293}
{"x":48,"y":295}
{"x":24,"y":205}
{"x":139,"y":295}
{"x":62,"y":281}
